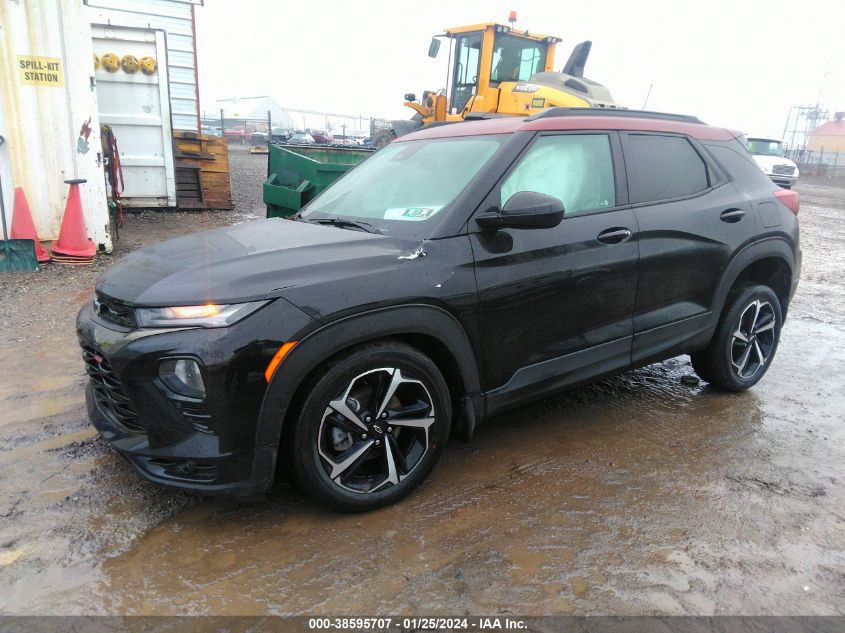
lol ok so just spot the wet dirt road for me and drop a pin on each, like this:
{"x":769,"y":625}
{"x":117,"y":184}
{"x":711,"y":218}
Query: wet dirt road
{"x":639,"y":494}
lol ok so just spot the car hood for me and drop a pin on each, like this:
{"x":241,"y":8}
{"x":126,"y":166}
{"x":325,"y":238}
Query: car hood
{"x":245,"y":262}
{"x":767,"y":163}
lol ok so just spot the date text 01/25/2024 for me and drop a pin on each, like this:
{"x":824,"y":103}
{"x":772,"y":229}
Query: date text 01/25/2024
{"x":416,"y":624}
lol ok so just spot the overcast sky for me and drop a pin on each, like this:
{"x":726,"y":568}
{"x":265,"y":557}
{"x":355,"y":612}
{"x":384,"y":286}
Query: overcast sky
{"x":739,"y":63}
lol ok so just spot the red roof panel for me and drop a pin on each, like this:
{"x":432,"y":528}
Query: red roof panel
{"x":508,"y":125}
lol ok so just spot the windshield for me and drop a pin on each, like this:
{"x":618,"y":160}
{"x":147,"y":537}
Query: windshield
{"x":765,"y":147}
{"x":405,"y":184}
{"x":516,"y":58}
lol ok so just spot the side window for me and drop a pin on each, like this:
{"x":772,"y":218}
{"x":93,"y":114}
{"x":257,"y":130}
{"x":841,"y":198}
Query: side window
{"x":663,"y":167}
{"x":575,"y":168}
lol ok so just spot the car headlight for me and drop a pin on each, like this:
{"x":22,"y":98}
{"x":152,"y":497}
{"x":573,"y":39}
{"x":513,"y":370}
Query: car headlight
{"x":208,"y":315}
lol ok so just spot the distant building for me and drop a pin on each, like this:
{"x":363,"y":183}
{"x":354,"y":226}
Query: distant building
{"x":829,"y":137}
{"x":255,"y":108}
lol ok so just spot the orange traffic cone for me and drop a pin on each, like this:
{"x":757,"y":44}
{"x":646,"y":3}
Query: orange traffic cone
{"x":23,"y":228}
{"x":73,"y":245}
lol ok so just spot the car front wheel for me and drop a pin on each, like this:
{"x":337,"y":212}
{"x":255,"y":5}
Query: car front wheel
{"x":371,"y":427}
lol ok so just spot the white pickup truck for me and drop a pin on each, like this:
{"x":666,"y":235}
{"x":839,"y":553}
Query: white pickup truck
{"x":768,"y":153}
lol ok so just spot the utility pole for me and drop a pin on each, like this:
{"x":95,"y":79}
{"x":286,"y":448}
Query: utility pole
{"x":648,"y":94}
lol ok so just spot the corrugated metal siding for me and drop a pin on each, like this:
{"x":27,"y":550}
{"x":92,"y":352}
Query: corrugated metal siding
{"x":174,"y":17}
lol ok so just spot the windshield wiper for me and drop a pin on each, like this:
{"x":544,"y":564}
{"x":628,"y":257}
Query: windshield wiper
{"x":342,"y":223}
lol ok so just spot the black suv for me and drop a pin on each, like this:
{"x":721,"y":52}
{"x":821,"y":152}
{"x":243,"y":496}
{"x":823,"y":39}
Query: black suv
{"x":457,"y":272}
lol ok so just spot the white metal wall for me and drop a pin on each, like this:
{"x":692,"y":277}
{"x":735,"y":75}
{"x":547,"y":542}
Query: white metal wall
{"x":175,"y":18}
{"x":42,"y":123}
{"x":137,"y":108}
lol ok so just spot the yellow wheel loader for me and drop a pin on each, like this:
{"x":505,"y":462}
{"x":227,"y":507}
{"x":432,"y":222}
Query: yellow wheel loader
{"x":498,"y":70}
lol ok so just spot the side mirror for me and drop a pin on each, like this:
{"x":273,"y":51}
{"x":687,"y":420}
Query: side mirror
{"x":525,"y":210}
{"x":410,"y":96}
{"x":434,"y":47}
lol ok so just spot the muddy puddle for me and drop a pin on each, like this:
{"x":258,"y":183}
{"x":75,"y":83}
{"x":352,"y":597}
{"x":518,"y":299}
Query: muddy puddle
{"x":638,"y":495}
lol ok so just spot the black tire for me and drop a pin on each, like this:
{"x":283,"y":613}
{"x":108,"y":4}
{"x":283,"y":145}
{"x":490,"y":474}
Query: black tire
{"x":324,"y":438}
{"x":730,"y":363}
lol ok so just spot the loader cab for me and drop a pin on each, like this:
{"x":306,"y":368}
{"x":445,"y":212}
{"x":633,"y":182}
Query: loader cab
{"x":484,"y":55}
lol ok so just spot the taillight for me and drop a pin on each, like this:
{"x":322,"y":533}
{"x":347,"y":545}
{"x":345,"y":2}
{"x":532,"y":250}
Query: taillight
{"x":789,"y":199}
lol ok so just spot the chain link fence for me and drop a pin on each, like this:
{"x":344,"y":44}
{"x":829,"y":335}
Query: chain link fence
{"x":253,"y":132}
{"x":818,"y":162}
{"x":257,"y":132}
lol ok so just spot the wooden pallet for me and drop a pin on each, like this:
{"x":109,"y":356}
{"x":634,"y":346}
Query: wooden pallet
{"x":202,"y":171}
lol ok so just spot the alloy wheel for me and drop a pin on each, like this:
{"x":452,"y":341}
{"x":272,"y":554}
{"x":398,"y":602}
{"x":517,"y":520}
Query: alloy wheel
{"x":753,"y":339}
{"x":376,"y":431}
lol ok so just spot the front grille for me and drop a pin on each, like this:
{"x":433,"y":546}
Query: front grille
{"x":115,"y":311}
{"x":783,"y":170}
{"x":108,"y":391}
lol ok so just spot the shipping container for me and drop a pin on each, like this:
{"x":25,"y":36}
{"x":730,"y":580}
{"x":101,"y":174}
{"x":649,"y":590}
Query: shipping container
{"x":48,"y":114}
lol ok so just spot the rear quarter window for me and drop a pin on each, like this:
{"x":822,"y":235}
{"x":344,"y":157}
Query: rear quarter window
{"x":663,"y":167}
{"x":739,"y":164}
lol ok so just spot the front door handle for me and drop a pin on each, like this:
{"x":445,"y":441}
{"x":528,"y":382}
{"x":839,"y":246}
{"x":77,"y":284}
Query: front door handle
{"x":732,"y":215}
{"x":614,"y":236}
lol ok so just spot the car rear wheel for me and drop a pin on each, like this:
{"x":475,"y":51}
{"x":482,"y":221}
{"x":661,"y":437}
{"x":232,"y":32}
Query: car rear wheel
{"x":371,"y":427}
{"x":745,"y":340}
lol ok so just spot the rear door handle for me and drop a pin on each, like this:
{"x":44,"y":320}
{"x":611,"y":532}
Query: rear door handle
{"x":732,"y":215}
{"x":614,"y":236}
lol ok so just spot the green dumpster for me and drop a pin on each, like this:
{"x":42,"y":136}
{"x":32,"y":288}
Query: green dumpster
{"x":295,"y":174}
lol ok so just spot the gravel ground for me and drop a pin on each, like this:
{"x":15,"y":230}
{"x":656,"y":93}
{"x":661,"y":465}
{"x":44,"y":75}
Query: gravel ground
{"x":64,"y":288}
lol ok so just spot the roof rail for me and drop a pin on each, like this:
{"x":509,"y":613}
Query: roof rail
{"x":483,"y":116}
{"x":614,"y":112}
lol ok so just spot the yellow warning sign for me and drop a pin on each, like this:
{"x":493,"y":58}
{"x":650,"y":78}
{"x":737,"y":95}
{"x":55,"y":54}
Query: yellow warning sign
{"x":40,"y":71}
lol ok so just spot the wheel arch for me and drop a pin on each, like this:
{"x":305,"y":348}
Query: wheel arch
{"x":770,"y":262}
{"x":432,"y":330}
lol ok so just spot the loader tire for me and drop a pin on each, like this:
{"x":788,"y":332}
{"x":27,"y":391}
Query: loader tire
{"x":383,"y":138}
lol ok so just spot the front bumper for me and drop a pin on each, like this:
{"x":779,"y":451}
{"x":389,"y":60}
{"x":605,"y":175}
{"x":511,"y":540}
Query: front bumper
{"x":204,"y":445}
{"x":179,"y":466}
{"x":783,"y":181}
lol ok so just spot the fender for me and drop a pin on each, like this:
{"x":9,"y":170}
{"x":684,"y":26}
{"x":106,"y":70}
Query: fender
{"x":338,"y":335}
{"x":770,"y":247}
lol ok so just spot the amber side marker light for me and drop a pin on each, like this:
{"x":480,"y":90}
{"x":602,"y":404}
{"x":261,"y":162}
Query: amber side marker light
{"x":278,"y":357}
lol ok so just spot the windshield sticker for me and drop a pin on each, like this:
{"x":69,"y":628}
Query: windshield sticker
{"x":413,"y":214}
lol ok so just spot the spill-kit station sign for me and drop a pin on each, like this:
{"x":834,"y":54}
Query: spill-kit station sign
{"x":40,"y":71}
